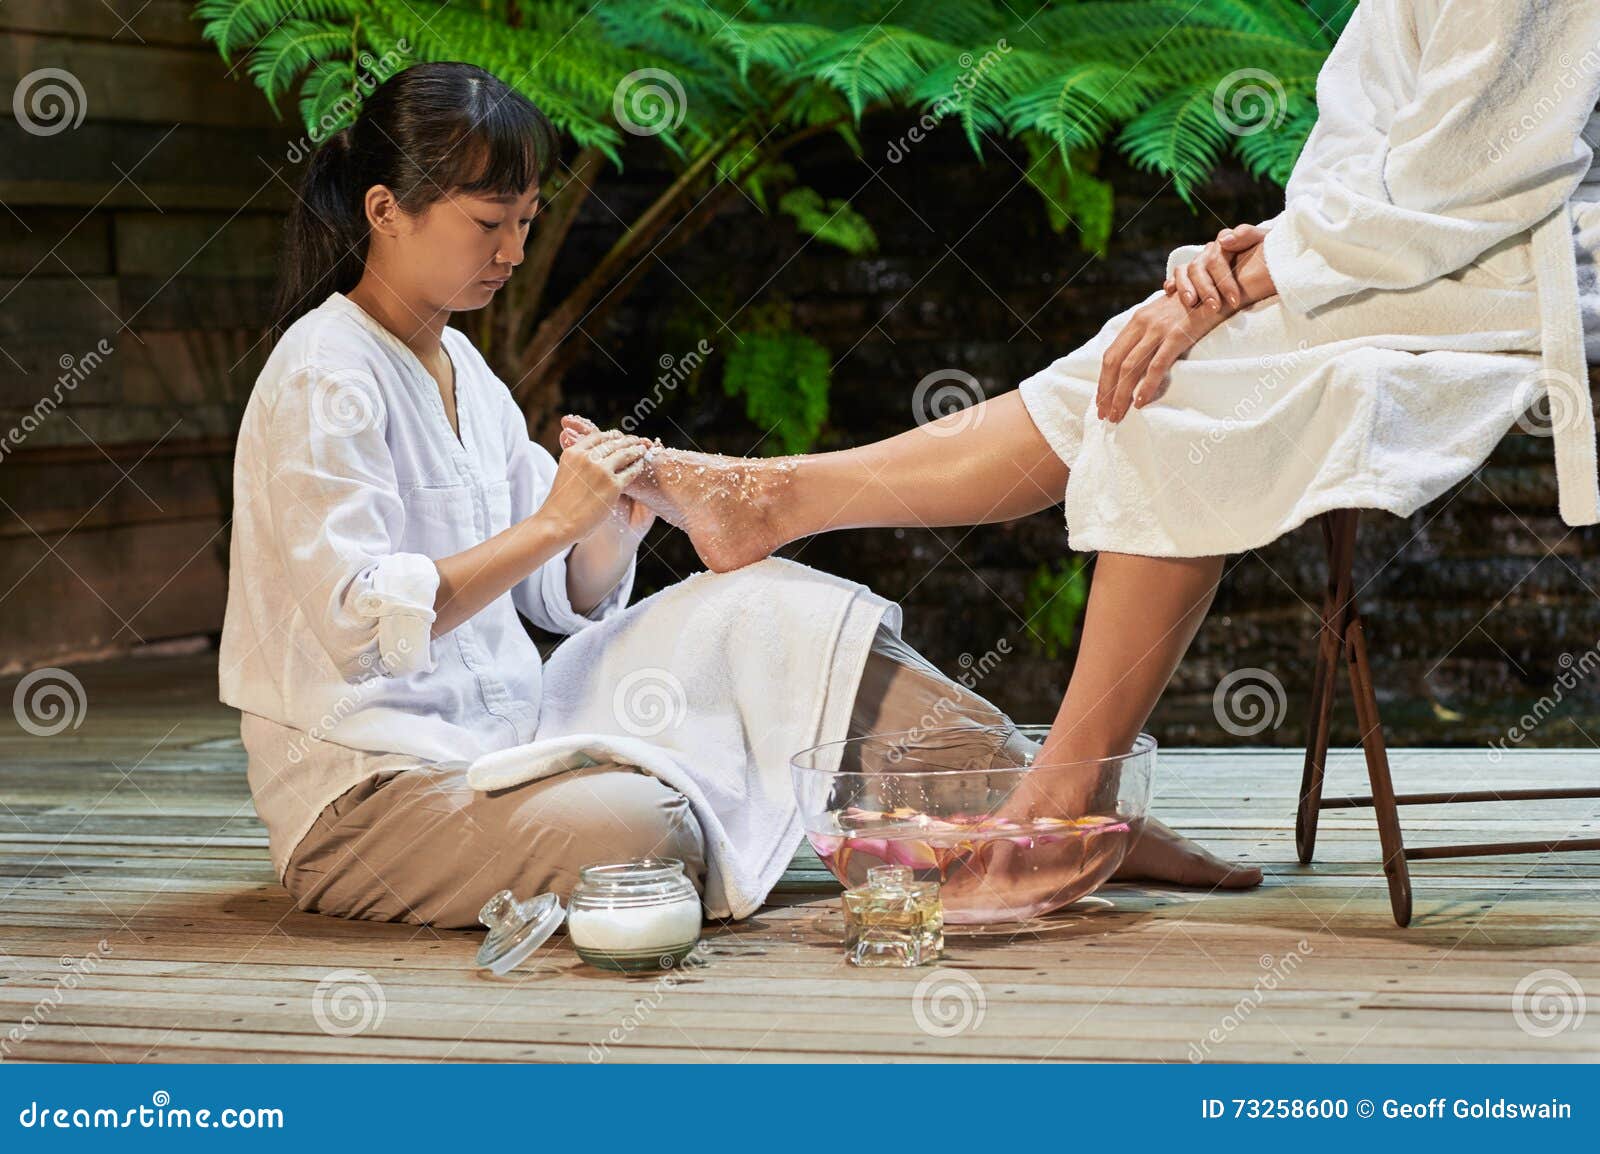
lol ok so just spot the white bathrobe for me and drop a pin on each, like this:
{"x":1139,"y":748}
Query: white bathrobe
{"x":1428,"y":294}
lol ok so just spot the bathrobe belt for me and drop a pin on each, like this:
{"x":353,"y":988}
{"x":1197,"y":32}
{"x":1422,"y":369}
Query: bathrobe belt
{"x":1566,"y":370}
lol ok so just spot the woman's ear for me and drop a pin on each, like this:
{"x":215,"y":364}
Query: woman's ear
{"x":382,"y":210}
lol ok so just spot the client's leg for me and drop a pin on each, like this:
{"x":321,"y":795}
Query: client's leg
{"x":902,"y":693}
{"x":987,"y":463}
{"x":423,"y":846}
{"x":1142,"y":614}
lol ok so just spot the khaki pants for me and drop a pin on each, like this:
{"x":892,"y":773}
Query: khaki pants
{"x":420,"y":845}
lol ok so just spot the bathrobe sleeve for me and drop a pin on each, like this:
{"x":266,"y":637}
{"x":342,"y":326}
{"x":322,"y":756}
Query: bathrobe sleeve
{"x":1487,"y":145}
{"x":542,"y":596}
{"x":336,"y":515}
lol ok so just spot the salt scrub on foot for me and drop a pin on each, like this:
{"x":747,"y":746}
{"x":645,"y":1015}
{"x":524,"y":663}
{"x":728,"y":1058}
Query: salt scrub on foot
{"x":633,"y":916}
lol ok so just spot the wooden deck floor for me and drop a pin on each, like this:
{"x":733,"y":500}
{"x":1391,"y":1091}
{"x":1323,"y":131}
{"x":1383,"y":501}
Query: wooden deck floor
{"x":135,"y":830}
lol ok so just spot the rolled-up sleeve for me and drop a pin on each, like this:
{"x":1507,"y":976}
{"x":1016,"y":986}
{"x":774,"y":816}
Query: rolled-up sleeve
{"x":337,"y":516}
{"x":542,"y":596}
{"x":1487,"y":145}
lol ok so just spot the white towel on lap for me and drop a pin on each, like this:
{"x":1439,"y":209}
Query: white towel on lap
{"x":712,"y":685}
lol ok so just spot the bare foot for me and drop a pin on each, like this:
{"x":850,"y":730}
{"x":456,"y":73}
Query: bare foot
{"x":1163,"y":855}
{"x":727,"y":505}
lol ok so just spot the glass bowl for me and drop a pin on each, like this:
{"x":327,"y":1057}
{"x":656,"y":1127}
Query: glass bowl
{"x":967,"y":807}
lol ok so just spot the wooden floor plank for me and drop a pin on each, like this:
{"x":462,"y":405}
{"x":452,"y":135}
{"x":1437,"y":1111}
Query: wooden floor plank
{"x":136,"y":831}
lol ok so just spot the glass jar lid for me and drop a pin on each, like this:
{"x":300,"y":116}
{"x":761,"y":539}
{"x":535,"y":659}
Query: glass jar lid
{"x":516,"y":928}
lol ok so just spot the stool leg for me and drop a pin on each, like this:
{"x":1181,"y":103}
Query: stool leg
{"x":1372,"y":743}
{"x":1330,"y":646}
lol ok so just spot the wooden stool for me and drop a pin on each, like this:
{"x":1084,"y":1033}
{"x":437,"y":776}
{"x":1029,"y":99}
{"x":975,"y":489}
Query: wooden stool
{"x":1341,"y":632}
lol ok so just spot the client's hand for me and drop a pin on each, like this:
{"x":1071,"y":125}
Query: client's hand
{"x":1134,"y":369}
{"x":1210,"y":277}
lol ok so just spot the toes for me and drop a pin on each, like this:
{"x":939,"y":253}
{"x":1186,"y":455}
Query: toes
{"x":1241,"y":878}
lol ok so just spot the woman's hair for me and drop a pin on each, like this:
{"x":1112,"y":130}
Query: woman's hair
{"x":426,"y":132}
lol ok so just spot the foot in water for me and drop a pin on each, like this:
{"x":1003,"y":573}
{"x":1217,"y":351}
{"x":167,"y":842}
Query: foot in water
{"x":1162,"y":854}
{"x":729,"y":506}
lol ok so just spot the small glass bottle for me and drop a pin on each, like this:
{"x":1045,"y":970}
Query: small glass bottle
{"x":634,"y":916}
{"x":893,"y":920}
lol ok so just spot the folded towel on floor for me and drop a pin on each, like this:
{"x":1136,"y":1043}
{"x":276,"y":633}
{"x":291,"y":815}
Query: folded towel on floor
{"x":711,"y":685}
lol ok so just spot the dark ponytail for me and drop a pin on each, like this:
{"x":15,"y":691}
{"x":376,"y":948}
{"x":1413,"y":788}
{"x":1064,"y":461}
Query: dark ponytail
{"x":423,"y":133}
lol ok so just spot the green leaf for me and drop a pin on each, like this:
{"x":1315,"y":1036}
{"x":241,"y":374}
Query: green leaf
{"x":834,"y":221}
{"x":1053,"y":606}
{"x":783,"y":376}
{"x":1072,"y":194}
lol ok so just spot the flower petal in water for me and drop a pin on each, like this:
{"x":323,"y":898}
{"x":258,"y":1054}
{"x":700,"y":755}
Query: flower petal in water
{"x":911,"y":852}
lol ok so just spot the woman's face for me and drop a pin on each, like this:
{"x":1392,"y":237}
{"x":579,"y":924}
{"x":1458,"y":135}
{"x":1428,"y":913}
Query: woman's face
{"x":461,"y":250}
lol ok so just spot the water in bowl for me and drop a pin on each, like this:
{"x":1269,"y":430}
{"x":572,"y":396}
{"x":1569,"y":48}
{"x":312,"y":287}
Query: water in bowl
{"x":989,"y":868}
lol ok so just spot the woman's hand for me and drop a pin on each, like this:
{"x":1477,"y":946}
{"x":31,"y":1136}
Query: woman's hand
{"x":590,"y":479}
{"x":1133,"y":371}
{"x":1210,"y":277}
{"x":633,"y":518}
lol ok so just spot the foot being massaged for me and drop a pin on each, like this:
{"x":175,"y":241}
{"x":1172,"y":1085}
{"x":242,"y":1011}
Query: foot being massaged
{"x":411,"y":753}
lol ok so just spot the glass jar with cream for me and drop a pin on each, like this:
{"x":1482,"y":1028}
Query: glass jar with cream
{"x":635,"y":915}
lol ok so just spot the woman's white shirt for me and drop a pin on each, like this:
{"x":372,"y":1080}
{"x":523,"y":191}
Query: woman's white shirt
{"x":348,"y":482}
